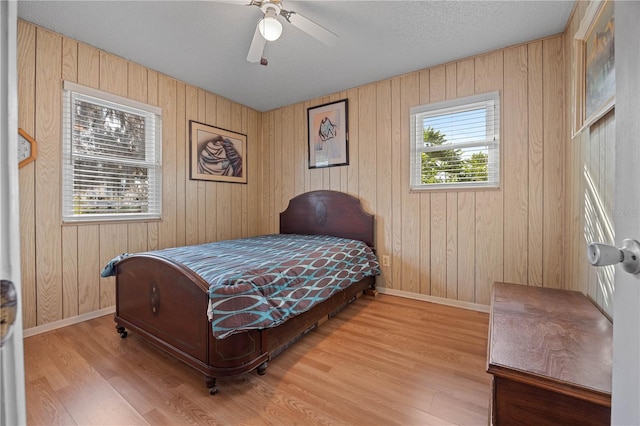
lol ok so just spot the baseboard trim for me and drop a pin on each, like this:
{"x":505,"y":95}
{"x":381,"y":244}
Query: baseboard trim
{"x":433,"y":299}
{"x":67,"y":321}
{"x":390,"y":291}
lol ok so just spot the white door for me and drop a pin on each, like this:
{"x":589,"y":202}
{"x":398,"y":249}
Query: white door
{"x":12,"y":391}
{"x":626,"y":297}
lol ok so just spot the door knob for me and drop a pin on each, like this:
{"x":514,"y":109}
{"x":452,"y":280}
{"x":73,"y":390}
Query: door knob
{"x":8,"y":308}
{"x":603,"y":254}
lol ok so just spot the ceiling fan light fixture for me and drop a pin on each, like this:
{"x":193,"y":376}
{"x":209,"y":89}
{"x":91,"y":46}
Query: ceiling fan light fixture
{"x":270,"y":27}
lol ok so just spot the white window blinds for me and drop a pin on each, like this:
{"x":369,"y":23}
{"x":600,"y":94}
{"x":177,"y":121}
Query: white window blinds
{"x":456,"y":144}
{"x":112,"y":168}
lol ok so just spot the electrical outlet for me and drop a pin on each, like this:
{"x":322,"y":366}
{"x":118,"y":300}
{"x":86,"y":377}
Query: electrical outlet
{"x":385,"y":260}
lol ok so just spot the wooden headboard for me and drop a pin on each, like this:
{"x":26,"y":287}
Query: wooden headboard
{"x":328,"y":213}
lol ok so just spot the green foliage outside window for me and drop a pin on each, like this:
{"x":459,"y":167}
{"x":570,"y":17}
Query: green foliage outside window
{"x":451,"y":165}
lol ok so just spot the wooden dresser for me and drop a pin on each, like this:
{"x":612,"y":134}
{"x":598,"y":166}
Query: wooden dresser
{"x":549,"y":352}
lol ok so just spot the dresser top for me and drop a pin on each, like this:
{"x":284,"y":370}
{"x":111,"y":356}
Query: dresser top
{"x":558,"y":338}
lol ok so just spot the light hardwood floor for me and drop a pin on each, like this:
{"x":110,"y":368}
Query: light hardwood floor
{"x":382,"y":361}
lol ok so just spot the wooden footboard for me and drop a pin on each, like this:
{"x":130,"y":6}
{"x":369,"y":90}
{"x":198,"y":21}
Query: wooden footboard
{"x":167,"y":305}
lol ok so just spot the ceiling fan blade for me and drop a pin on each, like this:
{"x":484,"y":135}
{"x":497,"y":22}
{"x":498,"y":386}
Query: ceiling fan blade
{"x":311,"y":28}
{"x":257,"y":46}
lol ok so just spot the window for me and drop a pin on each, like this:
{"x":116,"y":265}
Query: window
{"x":112,"y":168}
{"x":456,"y":144}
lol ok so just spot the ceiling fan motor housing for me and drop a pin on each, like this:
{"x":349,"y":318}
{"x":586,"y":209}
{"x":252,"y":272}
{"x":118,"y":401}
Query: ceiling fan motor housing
{"x":275,"y":7}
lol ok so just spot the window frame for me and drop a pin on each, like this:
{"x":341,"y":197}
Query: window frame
{"x":154,"y":164}
{"x":417,"y":115}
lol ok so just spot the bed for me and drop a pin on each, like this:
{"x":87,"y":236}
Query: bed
{"x":179,"y":311}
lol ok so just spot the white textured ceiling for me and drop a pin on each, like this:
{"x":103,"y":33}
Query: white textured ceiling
{"x":205,"y":43}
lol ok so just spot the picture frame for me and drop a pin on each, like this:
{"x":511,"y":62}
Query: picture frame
{"x":216,"y":154}
{"x":595,"y":65}
{"x":328,"y":134}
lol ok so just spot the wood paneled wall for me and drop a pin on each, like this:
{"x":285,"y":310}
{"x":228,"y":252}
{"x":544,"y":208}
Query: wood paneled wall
{"x":61,"y":263}
{"x":449,"y":245}
{"x":590,"y":173}
{"x":454,"y":244}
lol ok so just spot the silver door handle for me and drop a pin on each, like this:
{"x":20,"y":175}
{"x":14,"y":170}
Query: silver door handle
{"x":603,"y":254}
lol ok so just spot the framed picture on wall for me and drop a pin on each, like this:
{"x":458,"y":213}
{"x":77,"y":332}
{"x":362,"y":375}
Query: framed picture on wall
{"x":217,"y":154}
{"x":328,"y":134}
{"x":595,"y":64}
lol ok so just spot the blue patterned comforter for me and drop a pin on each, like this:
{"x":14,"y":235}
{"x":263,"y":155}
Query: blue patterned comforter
{"x":260,"y":282}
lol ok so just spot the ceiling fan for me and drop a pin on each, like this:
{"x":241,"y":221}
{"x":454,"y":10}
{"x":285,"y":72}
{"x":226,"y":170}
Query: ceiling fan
{"x":269,"y":28}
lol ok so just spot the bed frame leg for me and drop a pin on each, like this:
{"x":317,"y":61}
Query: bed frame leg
{"x":121,"y":331}
{"x":210,"y":382}
{"x":262,"y":368}
{"x":370,"y":292}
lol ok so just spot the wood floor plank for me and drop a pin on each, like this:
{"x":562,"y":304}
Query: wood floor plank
{"x":383,"y":360}
{"x":44,"y":406}
{"x":38,"y":365}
